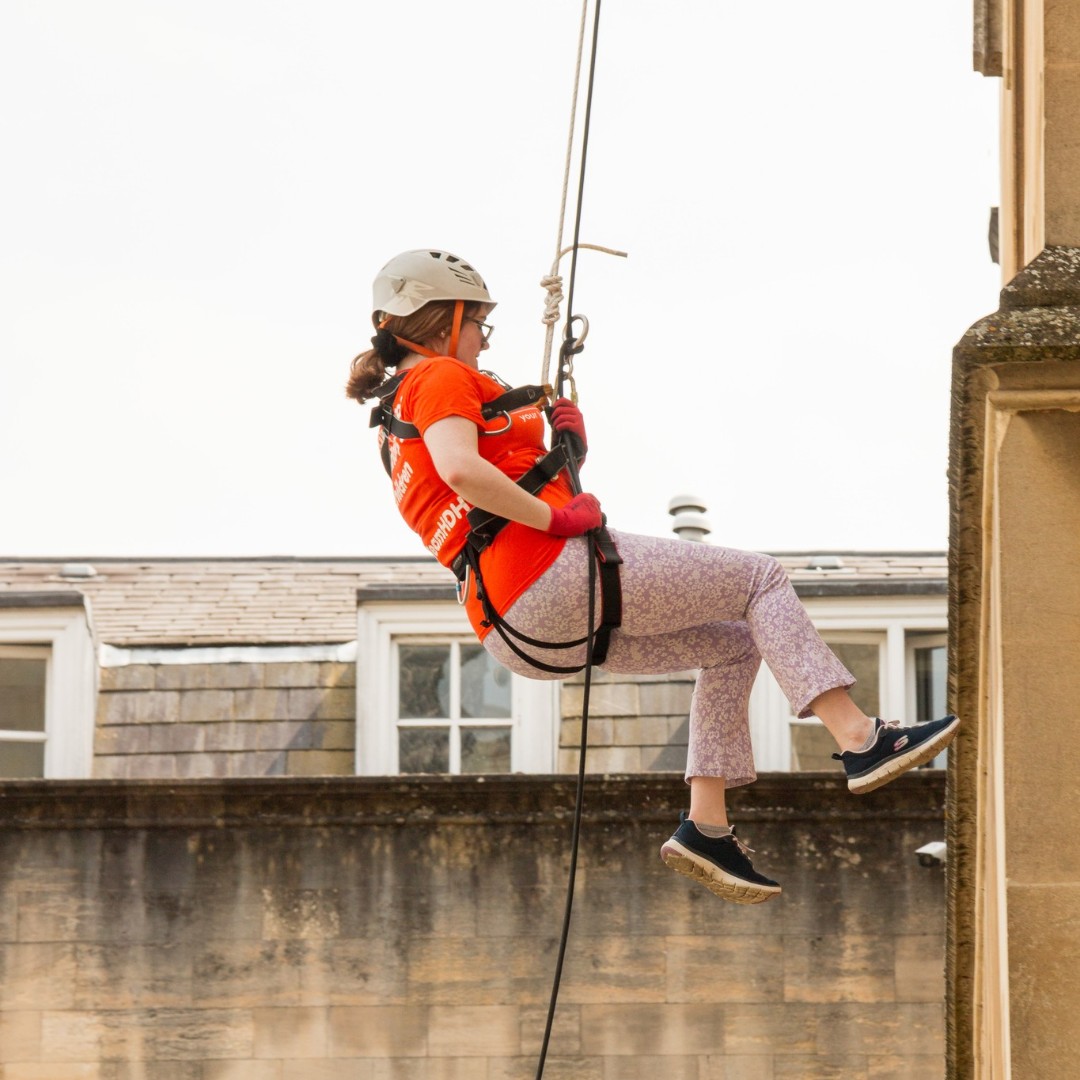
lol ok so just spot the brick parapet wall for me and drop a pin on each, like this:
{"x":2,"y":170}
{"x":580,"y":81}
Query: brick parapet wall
{"x":226,"y":720}
{"x":390,"y":929}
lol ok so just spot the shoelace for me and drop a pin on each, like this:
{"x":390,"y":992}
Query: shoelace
{"x":740,"y":845}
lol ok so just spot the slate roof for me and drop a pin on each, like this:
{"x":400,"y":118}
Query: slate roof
{"x":218,"y":601}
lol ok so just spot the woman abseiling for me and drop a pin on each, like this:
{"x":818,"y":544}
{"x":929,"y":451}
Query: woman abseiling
{"x":684,"y":605}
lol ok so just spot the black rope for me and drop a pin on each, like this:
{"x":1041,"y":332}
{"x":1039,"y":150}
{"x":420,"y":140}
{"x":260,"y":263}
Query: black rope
{"x":576,"y":832}
{"x":575,"y":484}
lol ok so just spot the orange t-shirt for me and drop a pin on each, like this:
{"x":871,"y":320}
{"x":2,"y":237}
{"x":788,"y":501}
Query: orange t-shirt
{"x":442,"y":387}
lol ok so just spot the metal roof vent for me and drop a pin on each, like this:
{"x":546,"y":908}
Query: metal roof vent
{"x":824,"y":562}
{"x":690,"y":522}
{"x":77,"y":570}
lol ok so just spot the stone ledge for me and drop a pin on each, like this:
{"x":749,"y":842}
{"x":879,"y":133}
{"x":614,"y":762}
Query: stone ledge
{"x":261,"y":802}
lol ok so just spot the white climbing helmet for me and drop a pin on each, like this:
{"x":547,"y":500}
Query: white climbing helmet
{"x":409,"y":280}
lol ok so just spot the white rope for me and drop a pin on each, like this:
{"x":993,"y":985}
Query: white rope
{"x":553,"y":281}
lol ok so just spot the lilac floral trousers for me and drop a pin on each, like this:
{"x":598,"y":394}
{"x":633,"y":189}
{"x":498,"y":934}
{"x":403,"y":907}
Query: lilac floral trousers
{"x":687,"y":605}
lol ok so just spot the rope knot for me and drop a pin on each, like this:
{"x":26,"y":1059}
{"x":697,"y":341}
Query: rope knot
{"x":553,"y":284}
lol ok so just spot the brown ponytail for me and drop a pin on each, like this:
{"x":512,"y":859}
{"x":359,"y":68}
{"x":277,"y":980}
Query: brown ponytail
{"x":368,"y":370}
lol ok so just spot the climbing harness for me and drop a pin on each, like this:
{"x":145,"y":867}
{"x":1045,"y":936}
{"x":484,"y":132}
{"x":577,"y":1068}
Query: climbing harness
{"x":484,"y":526}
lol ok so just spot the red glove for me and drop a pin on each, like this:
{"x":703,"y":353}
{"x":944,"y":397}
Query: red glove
{"x":566,"y":416}
{"x":578,"y":516}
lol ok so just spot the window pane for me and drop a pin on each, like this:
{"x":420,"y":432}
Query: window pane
{"x":485,"y":749}
{"x":862,"y":661}
{"x":22,"y":694}
{"x":423,"y":750}
{"x":485,"y":685}
{"x":20,"y":761}
{"x":423,"y":681}
{"x":930,"y":669}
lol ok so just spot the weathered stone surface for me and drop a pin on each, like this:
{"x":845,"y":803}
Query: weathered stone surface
{"x":406,"y":930}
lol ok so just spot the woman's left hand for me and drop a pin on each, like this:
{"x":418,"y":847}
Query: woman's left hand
{"x":566,"y":417}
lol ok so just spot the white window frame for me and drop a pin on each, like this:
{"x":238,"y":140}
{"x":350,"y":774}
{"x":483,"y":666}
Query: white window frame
{"x":380,"y":624}
{"x":26,"y":652}
{"x":918,"y":639}
{"x":454,"y":722}
{"x":70,"y":683}
{"x":897,"y":617}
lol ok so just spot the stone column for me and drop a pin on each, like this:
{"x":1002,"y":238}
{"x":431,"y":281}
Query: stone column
{"x":1013,"y":957}
{"x":1040,"y":133}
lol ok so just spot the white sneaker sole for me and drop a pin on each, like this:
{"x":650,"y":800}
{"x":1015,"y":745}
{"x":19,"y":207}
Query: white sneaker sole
{"x":892,"y":767}
{"x":684,"y":861}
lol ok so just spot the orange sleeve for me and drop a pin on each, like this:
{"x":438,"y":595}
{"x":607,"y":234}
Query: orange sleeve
{"x":444,"y":387}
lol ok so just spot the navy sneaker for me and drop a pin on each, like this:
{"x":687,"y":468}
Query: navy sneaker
{"x":721,"y":864}
{"x":895,"y":750}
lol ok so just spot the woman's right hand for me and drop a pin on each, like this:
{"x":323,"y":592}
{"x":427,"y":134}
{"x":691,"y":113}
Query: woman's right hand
{"x":579,"y":516}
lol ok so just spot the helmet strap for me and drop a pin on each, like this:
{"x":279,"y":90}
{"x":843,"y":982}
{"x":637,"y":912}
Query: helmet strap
{"x":455,"y":329}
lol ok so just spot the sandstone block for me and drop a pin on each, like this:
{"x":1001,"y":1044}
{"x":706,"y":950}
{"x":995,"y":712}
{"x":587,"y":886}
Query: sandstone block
{"x":378,"y":1031}
{"x":474,"y":1031}
{"x":37,"y":976}
{"x":139,"y":707}
{"x":299,"y":674}
{"x":336,"y":704}
{"x":556,"y":1067}
{"x":886,"y":1030}
{"x":618,"y":1029}
{"x":333,"y":735}
{"x":259,"y":704}
{"x":206,"y":706}
{"x":839,"y":967}
{"x":235,"y":676}
{"x":242,"y":1070}
{"x":909,"y":1067}
{"x":607,"y":699}
{"x":337,"y":673}
{"x":350,"y":1069}
{"x":920,"y":967}
{"x":127,"y":677}
{"x":805,"y":1067}
{"x":601,"y":731}
{"x":714,"y":969}
{"x":51,"y":1071}
{"x":301,"y":914}
{"x":20,"y":1037}
{"x":114,"y":977}
{"x":670,"y":698}
{"x":354,"y":971}
{"x":291,"y":1033}
{"x":755,"y":1030}
{"x":320,"y":762}
{"x":246,"y":975}
{"x":182,"y":676}
{"x":648,"y":730}
{"x":650,"y":1067}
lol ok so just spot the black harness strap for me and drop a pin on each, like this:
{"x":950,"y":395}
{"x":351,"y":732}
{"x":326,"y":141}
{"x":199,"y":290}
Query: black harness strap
{"x":382,"y":415}
{"x":484,"y":527}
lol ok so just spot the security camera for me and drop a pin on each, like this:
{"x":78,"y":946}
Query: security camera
{"x":932,"y":854}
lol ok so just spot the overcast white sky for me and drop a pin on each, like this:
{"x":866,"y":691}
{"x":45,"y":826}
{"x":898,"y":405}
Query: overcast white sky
{"x":196,"y":196}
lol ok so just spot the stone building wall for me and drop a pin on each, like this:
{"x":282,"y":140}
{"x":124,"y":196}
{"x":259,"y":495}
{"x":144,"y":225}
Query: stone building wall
{"x":637,"y":723}
{"x":226,"y":719}
{"x":380,"y":929}
{"x":299,"y":719}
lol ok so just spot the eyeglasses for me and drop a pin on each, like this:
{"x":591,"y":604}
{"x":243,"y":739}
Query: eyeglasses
{"x":486,"y":329}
